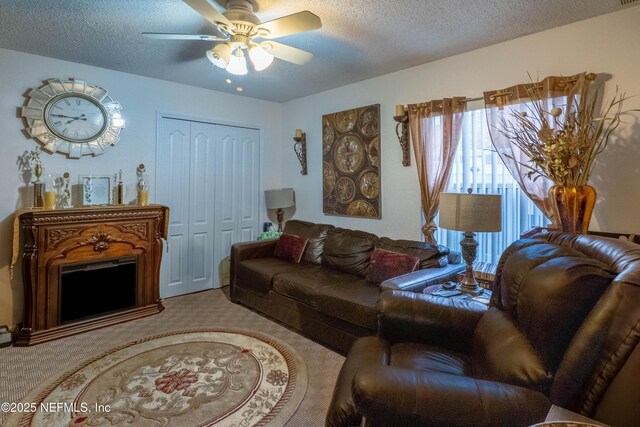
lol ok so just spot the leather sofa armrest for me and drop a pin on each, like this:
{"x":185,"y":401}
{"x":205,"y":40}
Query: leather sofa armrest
{"x":391,"y":396}
{"x":248,"y":250}
{"x":367,"y":351}
{"x":428,"y":319}
{"x":420,"y":279}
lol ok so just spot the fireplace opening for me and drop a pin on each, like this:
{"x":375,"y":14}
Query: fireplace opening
{"x":96,"y":288}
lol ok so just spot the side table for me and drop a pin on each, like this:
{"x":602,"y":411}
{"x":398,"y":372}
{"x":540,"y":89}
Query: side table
{"x":483,"y":298}
{"x":559,"y":415}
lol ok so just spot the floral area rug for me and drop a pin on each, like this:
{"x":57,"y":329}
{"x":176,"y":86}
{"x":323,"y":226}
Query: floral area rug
{"x":201,"y":377}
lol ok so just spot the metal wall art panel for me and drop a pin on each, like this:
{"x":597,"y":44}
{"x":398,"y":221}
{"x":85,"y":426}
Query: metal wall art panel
{"x":351,"y":162}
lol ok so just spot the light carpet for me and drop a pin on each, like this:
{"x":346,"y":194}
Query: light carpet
{"x":24,"y":368}
{"x":200,"y":377}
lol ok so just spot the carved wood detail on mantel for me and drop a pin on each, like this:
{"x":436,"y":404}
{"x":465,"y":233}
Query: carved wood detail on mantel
{"x":55,"y":238}
{"x":135,"y":227}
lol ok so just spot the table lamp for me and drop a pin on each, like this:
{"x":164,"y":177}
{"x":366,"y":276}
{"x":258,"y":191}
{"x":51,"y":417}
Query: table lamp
{"x":470,"y":213}
{"x":278,"y":199}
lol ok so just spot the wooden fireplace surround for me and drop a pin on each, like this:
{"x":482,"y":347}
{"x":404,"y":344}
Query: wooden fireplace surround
{"x":54,"y":238}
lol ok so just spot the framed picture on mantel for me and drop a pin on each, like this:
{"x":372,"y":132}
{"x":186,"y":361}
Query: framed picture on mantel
{"x":95,"y":190}
{"x":351,"y":162}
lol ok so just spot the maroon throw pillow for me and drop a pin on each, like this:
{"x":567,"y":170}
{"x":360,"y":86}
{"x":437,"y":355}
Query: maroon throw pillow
{"x":386,"y":264}
{"x":290,"y":247}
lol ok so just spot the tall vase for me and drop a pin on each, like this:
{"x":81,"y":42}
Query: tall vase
{"x":573,"y":206}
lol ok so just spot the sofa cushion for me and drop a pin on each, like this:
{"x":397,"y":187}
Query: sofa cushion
{"x":303,"y":284}
{"x":332,"y":292}
{"x":386,"y":264}
{"x":429,"y":255}
{"x":501,"y":352}
{"x":543,"y":294}
{"x":354,"y":302}
{"x":316,"y":233}
{"x":549,"y":290}
{"x":257,"y":273}
{"x":290,"y":247}
{"x":348,"y":250}
{"x":422,"y":357}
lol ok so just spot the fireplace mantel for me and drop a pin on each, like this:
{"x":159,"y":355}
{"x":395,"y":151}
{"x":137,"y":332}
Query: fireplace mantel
{"x":56,"y":238}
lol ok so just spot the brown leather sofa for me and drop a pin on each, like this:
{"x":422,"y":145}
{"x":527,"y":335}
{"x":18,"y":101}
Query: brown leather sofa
{"x":326,"y":295}
{"x":562,"y":328}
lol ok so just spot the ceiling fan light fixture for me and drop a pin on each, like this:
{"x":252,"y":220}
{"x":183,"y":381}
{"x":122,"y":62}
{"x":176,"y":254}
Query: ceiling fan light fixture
{"x":220,"y":55}
{"x":260,"y":58}
{"x":237,"y":63}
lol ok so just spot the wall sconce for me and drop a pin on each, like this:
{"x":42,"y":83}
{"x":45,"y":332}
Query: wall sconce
{"x":300,"y":147}
{"x":402,"y":131}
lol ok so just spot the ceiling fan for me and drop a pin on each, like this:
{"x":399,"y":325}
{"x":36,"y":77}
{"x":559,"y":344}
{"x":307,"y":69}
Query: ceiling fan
{"x":241,"y":30}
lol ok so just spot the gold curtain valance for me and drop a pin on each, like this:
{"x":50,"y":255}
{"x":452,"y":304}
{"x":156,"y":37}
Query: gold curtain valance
{"x":437,"y":107}
{"x":550,"y":87}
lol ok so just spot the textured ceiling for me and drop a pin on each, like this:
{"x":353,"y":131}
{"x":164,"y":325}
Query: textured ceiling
{"x":359,"y":39}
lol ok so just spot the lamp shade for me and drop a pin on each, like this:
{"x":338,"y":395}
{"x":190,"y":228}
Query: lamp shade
{"x":471,"y":212}
{"x":220,"y":55}
{"x":237,"y":63}
{"x":279,"y":198}
{"x":260,"y":58}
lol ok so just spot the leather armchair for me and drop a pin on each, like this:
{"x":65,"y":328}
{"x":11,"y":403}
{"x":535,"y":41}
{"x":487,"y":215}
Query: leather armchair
{"x":562,"y":328}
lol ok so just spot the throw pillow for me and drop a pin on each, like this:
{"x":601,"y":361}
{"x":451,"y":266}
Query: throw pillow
{"x":386,"y":264}
{"x":290,"y":247}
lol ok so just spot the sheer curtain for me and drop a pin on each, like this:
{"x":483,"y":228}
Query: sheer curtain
{"x":476,"y":165}
{"x":500,"y":107}
{"x":435,"y":133}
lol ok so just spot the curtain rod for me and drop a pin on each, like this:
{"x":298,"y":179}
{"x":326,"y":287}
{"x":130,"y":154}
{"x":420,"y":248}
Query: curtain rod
{"x":535,"y":85}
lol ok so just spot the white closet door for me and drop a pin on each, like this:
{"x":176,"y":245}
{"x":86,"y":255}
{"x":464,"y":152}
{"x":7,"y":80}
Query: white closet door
{"x":248,"y":178}
{"x":172,"y":189}
{"x":226,"y":228}
{"x":209,"y":175}
{"x":201,"y":205}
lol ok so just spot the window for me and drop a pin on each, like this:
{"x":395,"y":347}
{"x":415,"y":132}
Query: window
{"x":477,"y":166}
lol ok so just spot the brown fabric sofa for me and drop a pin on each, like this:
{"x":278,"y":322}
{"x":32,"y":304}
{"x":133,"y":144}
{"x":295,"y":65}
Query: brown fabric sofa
{"x":326,"y":296}
{"x":563,"y":328}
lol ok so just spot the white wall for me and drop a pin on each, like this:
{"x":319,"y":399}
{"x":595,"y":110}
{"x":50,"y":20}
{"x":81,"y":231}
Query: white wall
{"x":607,"y":44}
{"x":141,"y":99}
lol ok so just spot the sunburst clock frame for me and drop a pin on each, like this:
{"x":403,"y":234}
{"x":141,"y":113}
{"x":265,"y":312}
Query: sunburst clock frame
{"x":72,"y":117}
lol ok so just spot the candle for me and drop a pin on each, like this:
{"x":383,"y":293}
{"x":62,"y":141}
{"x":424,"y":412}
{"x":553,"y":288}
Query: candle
{"x":298,"y":133}
{"x":50,"y":199}
{"x":143,"y":198}
{"x":399,"y":110}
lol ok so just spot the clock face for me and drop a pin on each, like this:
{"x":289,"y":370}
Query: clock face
{"x":75,"y":118}
{"x":72,"y":117}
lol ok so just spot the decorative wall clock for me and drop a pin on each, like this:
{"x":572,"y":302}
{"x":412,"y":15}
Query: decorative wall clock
{"x":351,"y":162}
{"x":73,"y":117}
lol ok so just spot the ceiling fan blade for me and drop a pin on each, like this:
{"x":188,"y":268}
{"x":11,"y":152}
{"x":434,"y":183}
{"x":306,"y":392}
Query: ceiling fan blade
{"x":172,"y":36}
{"x":287,"y":53}
{"x":210,"y":13}
{"x":290,"y":24}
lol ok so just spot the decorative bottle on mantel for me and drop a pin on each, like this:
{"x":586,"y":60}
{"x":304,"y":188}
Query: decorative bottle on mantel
{"x":50,"y":191}
{"x":143,"y":186}
{"x":119,"y":189}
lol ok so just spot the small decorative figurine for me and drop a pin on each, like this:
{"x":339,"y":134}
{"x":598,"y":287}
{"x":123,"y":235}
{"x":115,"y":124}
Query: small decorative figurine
{"x":38,"y":186}
{"x":65,"y":194}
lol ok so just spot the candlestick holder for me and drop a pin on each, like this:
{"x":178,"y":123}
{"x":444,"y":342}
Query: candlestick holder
{"x":300,"y":147}
{"x":402,"y":132}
